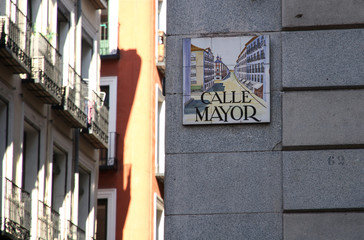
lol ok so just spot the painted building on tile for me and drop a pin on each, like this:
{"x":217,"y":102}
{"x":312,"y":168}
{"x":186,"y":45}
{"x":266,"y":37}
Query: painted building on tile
{"x":240,"y":68}
{"x":130,"y":187}
{"x":202,"y":68}
{"x":221,"y":70}
{"x":53,"y":122}
{"x":251,"y":65}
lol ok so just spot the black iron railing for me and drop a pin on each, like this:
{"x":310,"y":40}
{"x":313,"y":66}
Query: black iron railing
{"x":76,"y":96}
{"x":48,"y":222}
{"x":74,"y":100}
{"x":15,"y":35}
{"x":45,"y":80}
{"x":100,"y":118}
{"x":97,"y":122}
{"x":74,"y":232}
{"x":104,"y":47}
{"x":47,"y":68}
{"x":108,"y":157}
{"x":17,"y":211}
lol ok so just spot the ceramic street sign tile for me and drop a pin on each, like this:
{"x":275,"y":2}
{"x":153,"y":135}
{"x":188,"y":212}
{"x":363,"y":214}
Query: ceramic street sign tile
{"x":226,"y":80}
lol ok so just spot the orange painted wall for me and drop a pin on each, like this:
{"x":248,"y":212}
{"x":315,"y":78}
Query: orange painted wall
{"x":137,"y":75}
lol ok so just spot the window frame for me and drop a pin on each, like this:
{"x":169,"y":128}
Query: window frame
{"x":110,"y":195}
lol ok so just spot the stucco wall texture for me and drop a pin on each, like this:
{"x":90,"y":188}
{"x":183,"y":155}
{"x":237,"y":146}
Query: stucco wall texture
{"x":137,"y":76}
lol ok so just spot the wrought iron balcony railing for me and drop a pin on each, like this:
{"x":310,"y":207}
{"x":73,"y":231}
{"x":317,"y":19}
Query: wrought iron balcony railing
{"x":15,"y":32}
{"x":48,"y":222}
{"x":104,"y":47}
{"x":74,"y":232}
{"x":108,"y":157}
{"x":98,"y":122}
{"x":17,"y":211}
{"x":73,"y":106}
{"x":46,"y":78}
{"x":101,"y":116}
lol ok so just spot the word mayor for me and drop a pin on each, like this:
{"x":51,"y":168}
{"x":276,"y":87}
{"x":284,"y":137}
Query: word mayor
{"x":235,"y":106}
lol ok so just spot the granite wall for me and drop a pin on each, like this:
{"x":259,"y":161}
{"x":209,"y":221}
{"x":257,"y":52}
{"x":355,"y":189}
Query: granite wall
{"x":301,"y":176}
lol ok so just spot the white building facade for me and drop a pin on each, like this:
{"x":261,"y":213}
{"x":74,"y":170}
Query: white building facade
{"x":252,"y":65}
{"x":208,"y":66}
{"x":221,"y":70}
{"x":257,"y":61}
{"x":202,"y":68}
{"x":52,"y":118}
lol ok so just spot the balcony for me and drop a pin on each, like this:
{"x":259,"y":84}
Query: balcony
{"x":98,"y":123}
{"x":108,"y":157}
{"x":159,"y":168}
{"x":17,"y":215}
{"x":46,"y":77}
{"x":104,"y":47}
{"x":106,"y":53}
{"x":48,"y":223}
{"x":15,"y":32}
{"x":73,"y":107}
{"x":74,"y":232}
{"x":161,"y":64}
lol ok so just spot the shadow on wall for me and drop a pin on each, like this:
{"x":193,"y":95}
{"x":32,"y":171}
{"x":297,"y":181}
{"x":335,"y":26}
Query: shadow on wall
{"x":128,"y":77}
{"x":127,"y":69}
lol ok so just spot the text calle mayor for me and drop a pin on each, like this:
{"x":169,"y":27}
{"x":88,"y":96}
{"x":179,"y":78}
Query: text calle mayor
{"x":243,"y":111}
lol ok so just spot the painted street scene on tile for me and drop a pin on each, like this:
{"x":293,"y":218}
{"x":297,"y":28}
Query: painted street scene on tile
{"x":226,"y":80}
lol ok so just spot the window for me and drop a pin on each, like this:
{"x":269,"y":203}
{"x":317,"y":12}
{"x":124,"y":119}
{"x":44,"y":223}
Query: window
{"x":160,"y":26}
{"x":104,"y":151}
{"x":83,"y":197}
{"x":109,"y":28}
{"x":86,"y":56}
{"x":3,"y":130}
{"x":106,"y":90}
{"x":31,"y":145}
{"x":62,"y":28}
{"x":159,"y":132}
{"x":104,"y":28}
{"x":101,"y":219}
{"x":159,"y":218}
{"x":59,"y":178}
{"x":108,"y":157}
{"x":106,"y":214}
